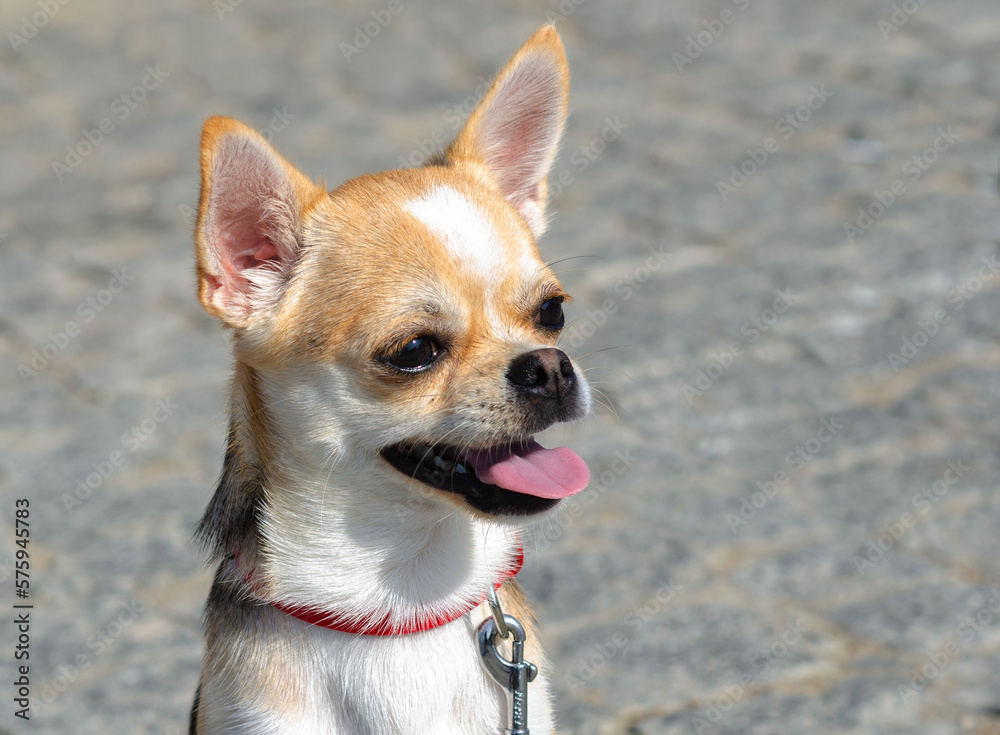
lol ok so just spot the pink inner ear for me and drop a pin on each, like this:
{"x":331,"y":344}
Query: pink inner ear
{"x":520,"y":131}
{"x":517,"y":159}
{"x":252,"y":256}
{"x":242,"y":244}
{"x":250,"y":227}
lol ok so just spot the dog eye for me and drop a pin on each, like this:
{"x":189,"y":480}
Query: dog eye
{"x":416,"y":355}
{"x":550,"y":315}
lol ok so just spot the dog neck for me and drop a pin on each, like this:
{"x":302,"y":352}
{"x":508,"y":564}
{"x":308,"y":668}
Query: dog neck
{"x":326,"y":529}
{"x":377,"y":624}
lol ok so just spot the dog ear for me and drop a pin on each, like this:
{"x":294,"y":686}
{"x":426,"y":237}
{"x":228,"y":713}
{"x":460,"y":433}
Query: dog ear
{"x":515,"y":129}
{"x":246,"y":238}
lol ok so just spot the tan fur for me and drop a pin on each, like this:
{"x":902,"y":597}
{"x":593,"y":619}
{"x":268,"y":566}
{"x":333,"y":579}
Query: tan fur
{"x":515,"y":602}
{"x":350,"y":277}
{"x":214,"y":131}
{"x":277,"y":677}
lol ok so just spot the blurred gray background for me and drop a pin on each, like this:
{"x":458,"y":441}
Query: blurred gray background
{"x":790,"y":216}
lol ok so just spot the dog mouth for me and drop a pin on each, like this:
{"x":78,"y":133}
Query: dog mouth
{"x":520,"y":477}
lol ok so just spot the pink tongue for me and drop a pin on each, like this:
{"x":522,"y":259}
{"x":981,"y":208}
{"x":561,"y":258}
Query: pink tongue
{"x":532,"y":469}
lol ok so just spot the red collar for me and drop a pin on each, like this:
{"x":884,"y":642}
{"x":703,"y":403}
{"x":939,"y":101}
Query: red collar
{"x":368,"y":626}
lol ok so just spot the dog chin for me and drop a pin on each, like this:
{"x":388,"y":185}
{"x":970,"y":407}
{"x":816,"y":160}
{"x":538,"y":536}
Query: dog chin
{"x":447,"y":469}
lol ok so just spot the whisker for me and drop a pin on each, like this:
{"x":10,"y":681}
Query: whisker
{"x":628,"y":377}
{"x":562,"y":271}
{"x":623,"y":373}
{"x":607,"y":402}
{"x":551,"y":263}
{"x":603,"y":349}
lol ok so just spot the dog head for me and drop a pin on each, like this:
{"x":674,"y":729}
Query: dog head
{"x":405,"y":322}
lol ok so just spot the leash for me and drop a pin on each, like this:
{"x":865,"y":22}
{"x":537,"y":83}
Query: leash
{"x":513,"y":675}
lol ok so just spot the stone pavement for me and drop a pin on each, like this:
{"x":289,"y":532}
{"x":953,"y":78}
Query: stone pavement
{"x":790,"y":216}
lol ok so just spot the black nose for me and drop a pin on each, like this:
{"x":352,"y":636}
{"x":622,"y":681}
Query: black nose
{"x":545,"y":373}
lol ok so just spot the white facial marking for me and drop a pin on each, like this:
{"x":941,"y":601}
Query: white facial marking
{"x":463,"y":229}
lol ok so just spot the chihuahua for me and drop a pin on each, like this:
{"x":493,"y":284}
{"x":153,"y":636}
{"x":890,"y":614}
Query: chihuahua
{"x":394,"y":348}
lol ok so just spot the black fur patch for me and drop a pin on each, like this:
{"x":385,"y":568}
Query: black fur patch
{"x":193,"y":726}
{"x":231,"y":520}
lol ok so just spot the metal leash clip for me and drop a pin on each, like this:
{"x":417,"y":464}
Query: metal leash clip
{"x":514,"y":675}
